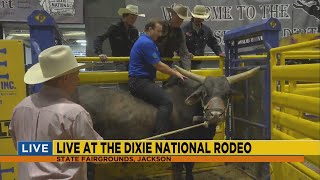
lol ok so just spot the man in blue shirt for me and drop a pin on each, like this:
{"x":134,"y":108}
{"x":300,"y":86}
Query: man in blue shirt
{"x":144,"y":62}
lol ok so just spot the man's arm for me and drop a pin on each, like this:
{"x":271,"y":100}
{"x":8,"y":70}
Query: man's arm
{"x":185,"y":56}
{"x":97,"y":44}
{"x":162,"y":67}
{"x":83,"y":129}
{"x":11,"y":131}
{"x":213,"y":43}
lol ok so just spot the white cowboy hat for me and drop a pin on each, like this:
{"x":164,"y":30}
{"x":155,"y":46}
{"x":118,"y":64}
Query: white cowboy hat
{"x":200,"y":11}
{"x":53,"y":62}
{"x":181,"y":11}
{"x":130,"y":9}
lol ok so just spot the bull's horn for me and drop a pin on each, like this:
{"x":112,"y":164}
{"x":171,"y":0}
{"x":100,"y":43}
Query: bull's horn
{"x":243,"y":76}
{"x":191,"y":75}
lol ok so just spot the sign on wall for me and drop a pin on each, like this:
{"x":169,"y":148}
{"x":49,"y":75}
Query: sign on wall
{"x":12,"y":91}
{"x":63,"y":11}
{"x":296,"y":16}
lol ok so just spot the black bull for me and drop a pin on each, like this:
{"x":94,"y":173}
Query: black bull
{"x":118,"y":115}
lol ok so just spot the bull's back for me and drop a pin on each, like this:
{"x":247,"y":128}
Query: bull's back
{"x":116,"y":114}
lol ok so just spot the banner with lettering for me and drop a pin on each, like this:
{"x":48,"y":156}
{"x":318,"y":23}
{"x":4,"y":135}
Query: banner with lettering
{"x":12,"y":91}
{"x":63,"y":11}
{"x":296,"y":16}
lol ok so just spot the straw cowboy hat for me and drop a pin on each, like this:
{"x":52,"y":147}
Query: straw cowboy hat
{"x":130,"y":9}
{"x":181,"y":11}
{"x":54,"y":62}
{"x":200,"y":11}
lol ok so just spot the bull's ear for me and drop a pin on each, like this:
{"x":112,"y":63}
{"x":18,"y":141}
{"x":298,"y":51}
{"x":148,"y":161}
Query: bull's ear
{"x":195,"y":96}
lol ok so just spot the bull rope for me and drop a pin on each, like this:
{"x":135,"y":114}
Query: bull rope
{"x":205,"y":123}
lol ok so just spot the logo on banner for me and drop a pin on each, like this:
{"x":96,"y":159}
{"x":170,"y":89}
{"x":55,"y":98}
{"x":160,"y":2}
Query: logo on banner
{"x":40,"y":18}
{"x":59,"y":7}
{"x":312,"y":7}
{"x":273,"y":24}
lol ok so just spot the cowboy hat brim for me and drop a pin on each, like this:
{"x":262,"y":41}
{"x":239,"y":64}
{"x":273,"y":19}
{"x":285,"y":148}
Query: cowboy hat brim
{"x":182,"y":17}
{"x":35,"y":76}
{"x":122,"y":11}
{"x":205,"y":16}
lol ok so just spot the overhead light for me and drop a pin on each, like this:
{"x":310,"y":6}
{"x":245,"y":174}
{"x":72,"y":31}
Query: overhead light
{"x":24,"y":35}
{"x":81,"y":41}
{"x":83,"y":44}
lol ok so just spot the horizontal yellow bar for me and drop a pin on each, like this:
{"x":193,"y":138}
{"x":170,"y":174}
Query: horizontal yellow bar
{"x":312,"y":174}
{"x":278,"y":135}
{"x":122,"y":77}
{"x":297,"y":52}
{"x":252,"y":56}
{"x":303,"y":103}
{"x":302,"y":57}
{"x":313,"y":43}
{"x":176,"y":58}
{"x":303,"y":72}
{"x":314,"y":92}
{"x":303,"y":126}
{"x":308,"y":85}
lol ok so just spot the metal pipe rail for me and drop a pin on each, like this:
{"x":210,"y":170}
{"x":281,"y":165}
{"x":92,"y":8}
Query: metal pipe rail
{"x":303,"y":126}
{"x":122,"y":77}
{"x":313,"y":92}
{"x":303,"y":103}
{"x":94,"y":77}
{"x":304,"y":86}
{"x":304,"y":72}
{"x":276,"y":135}
{"x":175,"y":58}
{"x":313,"y":43}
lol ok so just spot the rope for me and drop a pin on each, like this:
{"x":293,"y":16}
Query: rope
{"x":176,"y":131}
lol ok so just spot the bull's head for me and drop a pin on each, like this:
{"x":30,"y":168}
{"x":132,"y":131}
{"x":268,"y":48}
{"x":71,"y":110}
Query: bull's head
{"x":214,"y":92}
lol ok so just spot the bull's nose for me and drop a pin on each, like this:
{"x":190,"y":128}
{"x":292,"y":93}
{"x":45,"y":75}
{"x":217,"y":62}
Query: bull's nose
{"x":216,"y":114}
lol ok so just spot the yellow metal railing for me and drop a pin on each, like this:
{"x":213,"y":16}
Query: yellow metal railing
{"x":100,"y":77}
{"x":295,"y":91}
{"x":122,"y":77}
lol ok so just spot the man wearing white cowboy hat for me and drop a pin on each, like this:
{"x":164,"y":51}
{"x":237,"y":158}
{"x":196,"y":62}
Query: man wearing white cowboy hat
{"x":199,"y":35}
{"x":50,"y":114}
{"x":172,"y":39}
{"x":122,"y":36}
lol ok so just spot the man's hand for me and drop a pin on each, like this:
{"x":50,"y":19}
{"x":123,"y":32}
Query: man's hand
{"x":180,"y":76}
{"x":191,"y":55}
{"x":222,"y":54}
{"x":103,"y":57}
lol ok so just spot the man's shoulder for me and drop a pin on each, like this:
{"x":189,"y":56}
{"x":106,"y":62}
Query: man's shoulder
{"x":206,"y":28}
{"x":187,"y":27}
{"x":116,"y":25}
{"x":70,"y":107}
{"x":25,"y":102}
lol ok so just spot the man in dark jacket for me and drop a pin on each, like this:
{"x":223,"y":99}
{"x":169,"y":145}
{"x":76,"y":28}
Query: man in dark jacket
{"x":121,"y":36}
{"x":172,"y":39}
{"x":199,"y":35}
